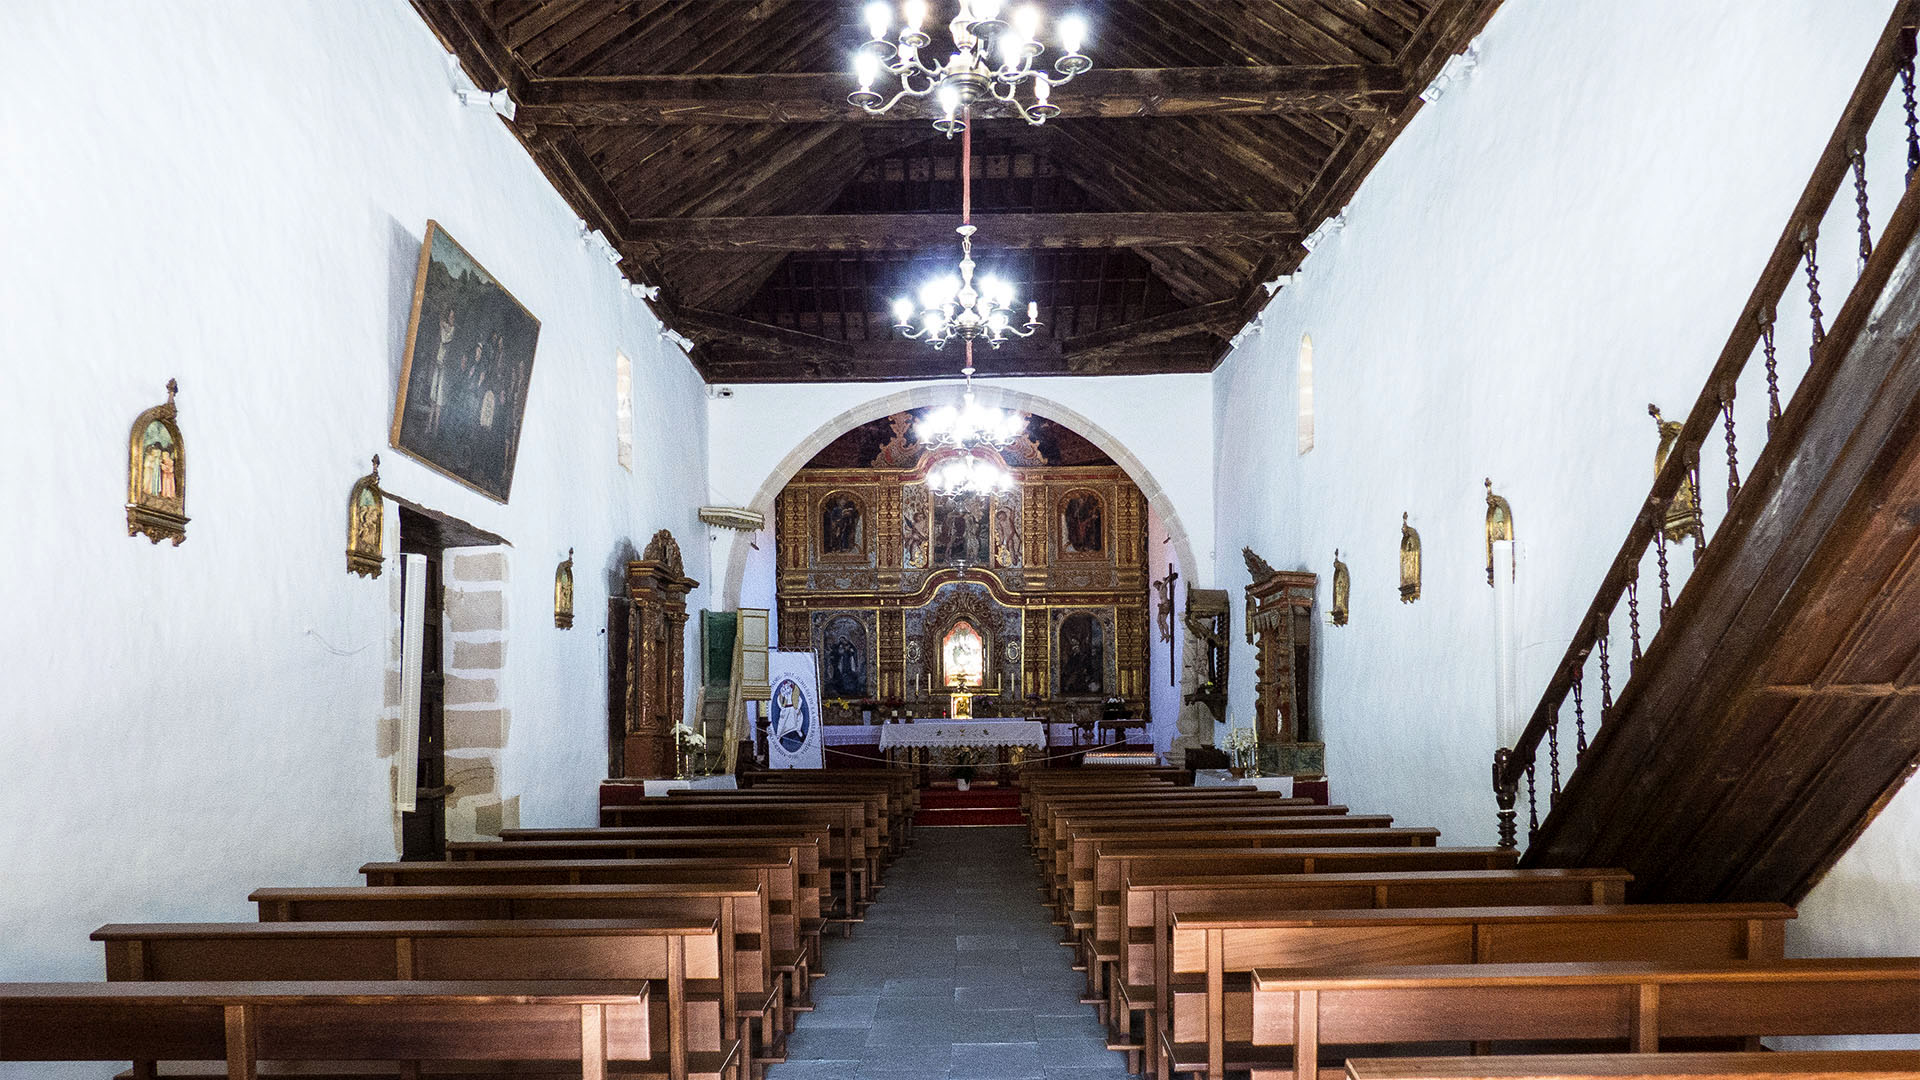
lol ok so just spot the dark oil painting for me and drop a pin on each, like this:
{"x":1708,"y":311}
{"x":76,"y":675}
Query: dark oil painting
{"x":844,"y":659}
{"x":1083,"y":655}
{"x":467,"y":367}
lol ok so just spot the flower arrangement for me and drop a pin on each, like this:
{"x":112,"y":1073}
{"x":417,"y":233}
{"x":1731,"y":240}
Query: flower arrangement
{"x":686,"y":738}
{"x":965,"y":759}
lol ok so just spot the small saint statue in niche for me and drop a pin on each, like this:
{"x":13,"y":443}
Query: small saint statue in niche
{"x":1409,"y":562}
{"x":366,"y":522}
{"x":1683,"y":513}
{"x":157,"y":473}
{"x":1342,"y":590}
{"x":563,"y":594}
{"x":1499,"y":525}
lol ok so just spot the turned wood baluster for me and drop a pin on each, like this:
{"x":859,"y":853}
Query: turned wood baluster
{"x":1810,"y":247}
{"x":1773,"y":369}
{"x":1857,"y":149}
{"x":1699,"y":506}
{"x":1906,"y":93}
{"x":1553,"y":758}
{"x":1633,"y":618}
{"x":1606,"y":676}
{"x":1733,"y":457}
{"x":1579,"y":722}
{"x":1533,"y":806}
{"x":1660,"y":547}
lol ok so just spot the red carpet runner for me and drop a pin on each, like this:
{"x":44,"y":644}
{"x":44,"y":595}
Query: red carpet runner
{"x":979,"y":806}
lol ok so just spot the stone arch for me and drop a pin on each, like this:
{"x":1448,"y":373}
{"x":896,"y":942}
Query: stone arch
{"x":987,"y":394}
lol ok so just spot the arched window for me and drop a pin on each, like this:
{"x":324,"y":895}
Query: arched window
{"x":623,"y":407}
{"x":963,"y":656}
{"x":1305,"y":395}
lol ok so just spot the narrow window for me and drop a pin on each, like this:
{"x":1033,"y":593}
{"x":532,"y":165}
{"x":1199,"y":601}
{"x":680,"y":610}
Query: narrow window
{"x":623,"y":389}
{"x":1306,"y":393}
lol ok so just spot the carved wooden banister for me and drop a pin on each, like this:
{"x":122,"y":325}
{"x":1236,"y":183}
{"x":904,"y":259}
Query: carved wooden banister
{"x":1796,"y":251}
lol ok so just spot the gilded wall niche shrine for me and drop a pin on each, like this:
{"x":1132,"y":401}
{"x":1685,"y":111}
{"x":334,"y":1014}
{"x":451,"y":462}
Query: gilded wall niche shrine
{"x":1038,"y":595}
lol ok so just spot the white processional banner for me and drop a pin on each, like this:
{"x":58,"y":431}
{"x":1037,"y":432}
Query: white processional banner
{"x":793,"y":723}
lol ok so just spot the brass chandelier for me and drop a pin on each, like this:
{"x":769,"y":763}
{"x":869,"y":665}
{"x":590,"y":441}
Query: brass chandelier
{"x":993,"y":60}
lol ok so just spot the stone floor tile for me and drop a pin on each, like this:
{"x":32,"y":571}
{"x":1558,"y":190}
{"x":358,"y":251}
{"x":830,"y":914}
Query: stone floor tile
{"x":996,"y":1061}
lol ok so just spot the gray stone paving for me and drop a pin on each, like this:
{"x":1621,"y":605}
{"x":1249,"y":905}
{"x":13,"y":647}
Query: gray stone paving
{"x":956,"y":973}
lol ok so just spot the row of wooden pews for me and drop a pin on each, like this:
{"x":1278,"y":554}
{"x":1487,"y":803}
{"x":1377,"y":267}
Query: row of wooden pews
{"x":1230,"y":931}
{"x":676,"y":942}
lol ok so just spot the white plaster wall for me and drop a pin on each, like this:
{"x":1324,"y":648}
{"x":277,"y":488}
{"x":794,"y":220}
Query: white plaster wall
{"x":1561,"y":239}
{"x":233,"y":194}
{"x":1160,"y":427}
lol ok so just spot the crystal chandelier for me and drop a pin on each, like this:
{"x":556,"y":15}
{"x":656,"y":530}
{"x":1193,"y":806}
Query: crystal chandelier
{"x":971,"y":424}
{"x":993,"y":58}
{"x":954,"y":307}
{"x":969,"y":475}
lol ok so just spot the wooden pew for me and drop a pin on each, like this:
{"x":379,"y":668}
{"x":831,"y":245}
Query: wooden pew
{"x":1168,"y":804}
{"x":1792,"y":1065}
{"x":762,"y":993}
{"x":733,"y":904}
{"x":1211,"y":1015}
{"x":1154,"y":886}
{"x":678,"y":959}
{"x":1118,"y":862}
{"x":876,"y":823}
{"x":849,"y":853}
{"x":795,"y":919}
{"x":1075,"y":860}
{"x":1616,"y":1003}
{"x":903,"y":793}
{"x":812,"y":864}
{"x":595,"y":1025}
{"x":1054,"y":850}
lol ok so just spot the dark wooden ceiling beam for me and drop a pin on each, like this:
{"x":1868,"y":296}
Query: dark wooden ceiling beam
{"x":918,"y":232}
{"x":822,"y":96}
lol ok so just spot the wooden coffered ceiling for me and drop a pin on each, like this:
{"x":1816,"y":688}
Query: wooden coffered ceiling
{"x":712,"y":143}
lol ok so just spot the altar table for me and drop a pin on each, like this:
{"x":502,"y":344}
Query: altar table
{"x":920,"y":737}
{"x":982,"y":734}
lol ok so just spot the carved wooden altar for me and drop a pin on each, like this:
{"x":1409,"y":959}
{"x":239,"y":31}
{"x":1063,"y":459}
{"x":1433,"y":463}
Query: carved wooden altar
{"x":875,"y":573}
{"x":655,"y":691}
{"x":1280,"y":628}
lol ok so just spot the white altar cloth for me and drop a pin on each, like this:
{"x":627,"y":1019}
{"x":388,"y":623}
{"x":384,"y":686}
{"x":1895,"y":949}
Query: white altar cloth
{"x":976,"y":733}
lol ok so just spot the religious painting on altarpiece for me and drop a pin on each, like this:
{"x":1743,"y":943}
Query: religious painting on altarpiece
{"x":961,"y":532}
{"x":843,"y":643}
{"x":843,"y":527}
{"x":466,"y":370}
{"x":1083,"y":525}
{"x":1083,"y":653}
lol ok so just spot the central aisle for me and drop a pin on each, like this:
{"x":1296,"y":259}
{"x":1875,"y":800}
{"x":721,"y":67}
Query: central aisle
{"x":956,"y":973}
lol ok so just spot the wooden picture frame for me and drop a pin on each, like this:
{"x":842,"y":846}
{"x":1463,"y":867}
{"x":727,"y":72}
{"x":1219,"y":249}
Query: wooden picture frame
{"x":157,"y":473}
{"x":463,"y":388}
{"x":1083,"y":526}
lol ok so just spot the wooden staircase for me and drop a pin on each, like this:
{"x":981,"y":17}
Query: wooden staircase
{"x":1776,"y":707}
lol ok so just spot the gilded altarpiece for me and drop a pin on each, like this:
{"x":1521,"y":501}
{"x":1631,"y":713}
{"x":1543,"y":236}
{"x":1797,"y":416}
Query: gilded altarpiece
{"x":1051,"y":575}
{"x":655,"y":690}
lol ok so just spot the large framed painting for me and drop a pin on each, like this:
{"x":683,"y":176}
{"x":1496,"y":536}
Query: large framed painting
{"x":466,"y":369}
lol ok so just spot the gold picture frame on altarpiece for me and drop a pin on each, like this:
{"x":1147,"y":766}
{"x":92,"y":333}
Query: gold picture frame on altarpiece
{"x":563,"y":593}
{"x":463,"y":388}
{"x":157,"y":473}
{"x":366,"y":524}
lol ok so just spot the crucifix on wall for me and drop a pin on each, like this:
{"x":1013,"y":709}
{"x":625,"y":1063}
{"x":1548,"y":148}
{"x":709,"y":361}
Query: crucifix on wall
{"x":1165,"y":617}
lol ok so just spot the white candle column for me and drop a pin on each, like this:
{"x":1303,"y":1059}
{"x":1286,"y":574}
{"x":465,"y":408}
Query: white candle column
{"x":1509,"y":721}
{"x":413,"y":614}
